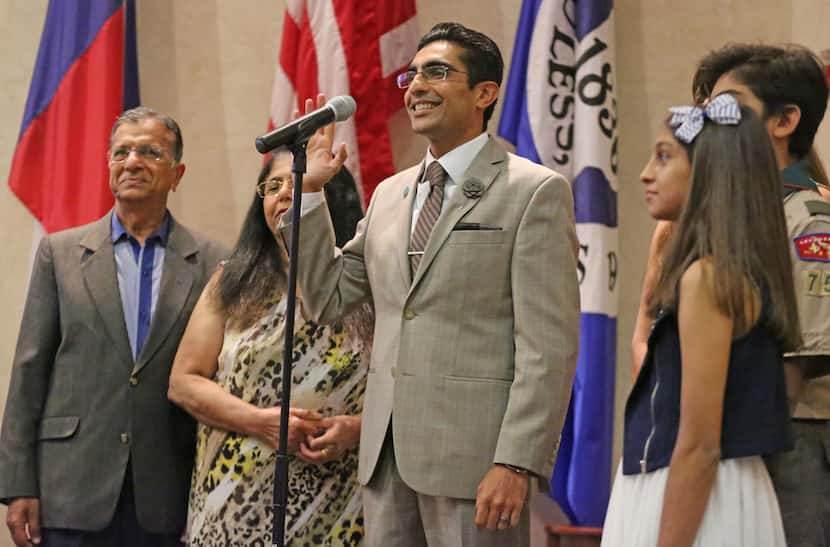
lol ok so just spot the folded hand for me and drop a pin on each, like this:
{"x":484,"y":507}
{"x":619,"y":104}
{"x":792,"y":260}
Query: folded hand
{"x":341,"y":433}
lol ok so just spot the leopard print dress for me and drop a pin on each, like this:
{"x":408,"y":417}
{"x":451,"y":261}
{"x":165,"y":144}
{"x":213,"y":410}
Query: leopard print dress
{"x":233,"y":478}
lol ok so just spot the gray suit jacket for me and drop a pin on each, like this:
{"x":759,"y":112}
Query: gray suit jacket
{"x":473,"y":359}
{"x":79,"y":407}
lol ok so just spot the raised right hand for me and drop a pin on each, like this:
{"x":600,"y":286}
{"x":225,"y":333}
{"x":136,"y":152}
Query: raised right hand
{"x":23,"y":520}
{"x":322,"y":163}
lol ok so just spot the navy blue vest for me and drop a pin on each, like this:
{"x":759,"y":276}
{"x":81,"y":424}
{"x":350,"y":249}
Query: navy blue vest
{"x":756,"y":418}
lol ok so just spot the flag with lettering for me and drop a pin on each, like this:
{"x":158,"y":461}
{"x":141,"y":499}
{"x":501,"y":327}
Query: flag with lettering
{"x":560,"y":111}
{"x":85,"y":75}
{"x":348,"y":47}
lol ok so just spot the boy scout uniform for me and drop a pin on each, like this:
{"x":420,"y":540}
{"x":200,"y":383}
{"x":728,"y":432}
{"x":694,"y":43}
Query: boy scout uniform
{"x":802,"y":477}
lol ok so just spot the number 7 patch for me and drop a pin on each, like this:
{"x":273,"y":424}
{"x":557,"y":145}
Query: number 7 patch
{"x":816,"y":282}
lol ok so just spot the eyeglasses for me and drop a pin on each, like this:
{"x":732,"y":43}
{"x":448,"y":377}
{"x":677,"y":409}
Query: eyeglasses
{"x":271,"y":187}
{"x":146,"y":152}
{"x":431,"y":73}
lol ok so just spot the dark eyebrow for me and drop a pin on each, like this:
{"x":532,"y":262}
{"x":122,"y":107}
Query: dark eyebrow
{"x":430,"y":63}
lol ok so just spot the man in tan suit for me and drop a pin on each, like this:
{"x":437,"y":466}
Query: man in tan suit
{"x":473,"y":277}
{"x":92,"y":452}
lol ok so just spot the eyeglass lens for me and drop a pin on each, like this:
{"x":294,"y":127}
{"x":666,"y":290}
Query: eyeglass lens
{"x":144,"y":151}
{"x":270,"y":187}
{"x":430,"y":73}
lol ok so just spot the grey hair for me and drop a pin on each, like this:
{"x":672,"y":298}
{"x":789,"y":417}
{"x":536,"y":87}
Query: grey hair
{"x":139,"y":113}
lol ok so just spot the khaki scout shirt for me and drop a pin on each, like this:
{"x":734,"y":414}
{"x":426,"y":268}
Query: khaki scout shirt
{"x":808,"y":224}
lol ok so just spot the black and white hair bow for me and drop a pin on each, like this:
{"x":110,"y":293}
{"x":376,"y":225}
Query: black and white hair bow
{"x":687,"y":121}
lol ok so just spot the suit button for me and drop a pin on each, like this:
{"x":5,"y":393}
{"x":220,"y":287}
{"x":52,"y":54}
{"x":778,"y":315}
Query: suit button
{"x":125,"y":438}
{"x":133,"y":380}
{"x":409,"y":314}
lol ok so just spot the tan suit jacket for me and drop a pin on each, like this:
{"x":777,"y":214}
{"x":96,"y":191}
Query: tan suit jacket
{"x":79,"y":407}
{"x":473,"y":359}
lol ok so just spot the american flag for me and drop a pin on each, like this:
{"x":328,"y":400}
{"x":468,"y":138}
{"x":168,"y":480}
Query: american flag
{"x":348,"y":47}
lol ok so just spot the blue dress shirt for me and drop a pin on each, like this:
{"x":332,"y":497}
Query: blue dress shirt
{"x":139,"y":270}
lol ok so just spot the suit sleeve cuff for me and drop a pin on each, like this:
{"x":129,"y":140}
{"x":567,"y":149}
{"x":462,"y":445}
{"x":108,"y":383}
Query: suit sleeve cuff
{"x":311,"y":200}
{"x":516,"y":469}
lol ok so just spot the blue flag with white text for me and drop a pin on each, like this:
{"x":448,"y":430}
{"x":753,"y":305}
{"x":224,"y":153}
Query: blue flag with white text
{"x":560,"y":111}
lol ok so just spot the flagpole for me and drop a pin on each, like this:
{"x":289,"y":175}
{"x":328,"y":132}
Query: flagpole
{"x":280,"y":496}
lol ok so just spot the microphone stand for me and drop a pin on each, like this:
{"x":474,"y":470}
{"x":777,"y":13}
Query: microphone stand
{"x":281,"y":472}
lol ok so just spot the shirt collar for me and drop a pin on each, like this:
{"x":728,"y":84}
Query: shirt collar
{"x":456,"y":161}
{"x":797,"y":176}
{"x":119,"y":232}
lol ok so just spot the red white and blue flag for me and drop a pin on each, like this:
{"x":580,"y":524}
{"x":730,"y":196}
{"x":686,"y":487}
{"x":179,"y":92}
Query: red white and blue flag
{"x":560,"y":111}
{"x":348,"y":47}
{"x":85,"y":76}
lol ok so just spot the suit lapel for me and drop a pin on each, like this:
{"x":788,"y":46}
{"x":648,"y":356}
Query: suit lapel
{"x":485,"y":168}
{"x":177,"y":280}
{"x":101,"y":282}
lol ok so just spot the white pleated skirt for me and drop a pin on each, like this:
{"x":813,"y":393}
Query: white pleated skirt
{"x":742,"y":508}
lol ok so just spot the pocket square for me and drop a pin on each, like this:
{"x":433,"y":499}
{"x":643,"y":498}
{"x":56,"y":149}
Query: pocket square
{"x":463,"y":226}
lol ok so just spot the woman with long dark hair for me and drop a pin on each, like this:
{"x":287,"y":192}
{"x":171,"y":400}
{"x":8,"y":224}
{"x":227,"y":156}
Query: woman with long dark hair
{"x":227,"y":374}
{"x":710,"y":399}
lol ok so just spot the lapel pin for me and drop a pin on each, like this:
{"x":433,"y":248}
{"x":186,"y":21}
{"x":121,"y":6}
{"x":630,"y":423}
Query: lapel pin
{"x":405,"y":191}
{"x":472,"y":188}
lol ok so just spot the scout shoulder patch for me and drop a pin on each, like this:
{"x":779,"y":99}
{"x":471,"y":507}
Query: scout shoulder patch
{"x":813,"y":247}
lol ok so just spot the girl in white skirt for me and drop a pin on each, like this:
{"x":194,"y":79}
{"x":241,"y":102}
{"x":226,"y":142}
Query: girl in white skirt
{"x":710,"y":399}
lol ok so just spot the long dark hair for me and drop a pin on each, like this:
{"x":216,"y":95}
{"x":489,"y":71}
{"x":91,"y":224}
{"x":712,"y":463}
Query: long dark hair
{"x":255,"y":273}
{"x":734,"y":216}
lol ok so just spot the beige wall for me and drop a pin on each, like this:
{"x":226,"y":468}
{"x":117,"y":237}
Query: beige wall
{"x":210,"y":63}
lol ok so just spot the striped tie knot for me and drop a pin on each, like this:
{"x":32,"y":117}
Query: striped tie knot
{"x":435,"y":175}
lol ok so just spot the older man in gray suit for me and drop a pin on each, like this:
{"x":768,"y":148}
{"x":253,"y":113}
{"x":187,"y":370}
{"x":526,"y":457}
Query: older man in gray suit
{"x":470,"y":261}
{"x":91,"y":451}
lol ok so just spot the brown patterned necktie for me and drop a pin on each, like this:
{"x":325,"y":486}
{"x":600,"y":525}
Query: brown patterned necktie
{"x":436,"y":176}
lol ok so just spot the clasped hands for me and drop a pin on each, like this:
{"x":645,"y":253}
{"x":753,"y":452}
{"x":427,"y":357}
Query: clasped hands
{"x":311,"y":436}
